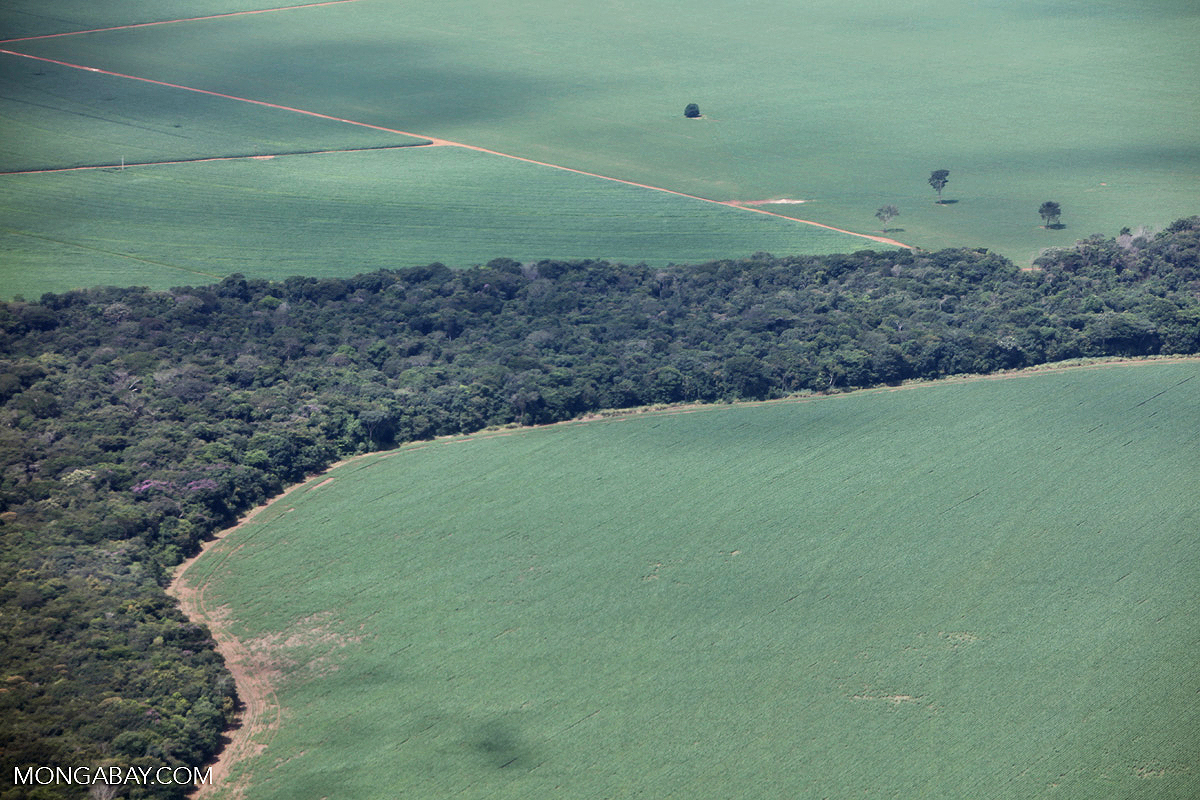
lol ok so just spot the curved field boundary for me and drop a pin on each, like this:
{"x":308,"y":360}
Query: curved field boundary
{"x":622,"y":415}
{"x":436,"y":142}
{"x":261,"y":711}
{"x":259,"y":717}
{"x":173,"y":21}
{"x":260,"y":714}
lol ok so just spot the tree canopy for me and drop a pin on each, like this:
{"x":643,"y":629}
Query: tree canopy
{"x":886,"y":214}
{"x":1050,"y":213}
{"x":938,"y":180}
{"x":137,"y":423}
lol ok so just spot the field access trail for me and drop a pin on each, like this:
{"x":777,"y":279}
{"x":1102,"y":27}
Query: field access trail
{"x":432,"y":140}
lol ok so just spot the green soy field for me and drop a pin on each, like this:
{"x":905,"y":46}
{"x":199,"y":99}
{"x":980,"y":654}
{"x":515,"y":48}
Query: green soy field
{"x":342,"y":213}
{"x":23,"y":18}
{"x":56,"y":117}
{"x":847,"y":106}
{"x":965,"y":589}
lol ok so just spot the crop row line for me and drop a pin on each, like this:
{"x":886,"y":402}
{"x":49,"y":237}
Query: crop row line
{"x":113,"y":253}
{"x":204,"y":159}
{"x":1164,"y":391}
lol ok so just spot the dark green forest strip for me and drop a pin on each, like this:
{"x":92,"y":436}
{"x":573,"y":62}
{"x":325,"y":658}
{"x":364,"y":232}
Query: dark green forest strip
{"x":137,"y":423}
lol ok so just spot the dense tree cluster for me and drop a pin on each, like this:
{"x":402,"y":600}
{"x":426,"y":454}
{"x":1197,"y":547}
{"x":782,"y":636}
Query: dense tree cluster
{"x":135,"y":423}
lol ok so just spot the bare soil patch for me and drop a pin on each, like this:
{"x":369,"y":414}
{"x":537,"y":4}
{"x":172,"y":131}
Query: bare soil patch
{"x":255,"y":665}
{"x":782,"y":201}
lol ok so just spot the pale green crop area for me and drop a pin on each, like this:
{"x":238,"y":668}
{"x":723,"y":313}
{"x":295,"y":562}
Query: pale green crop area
{"x":21,"y":18}
{"x":974,"y":589}
{"x":55,"y":117}
{"x":339,"y":214}
{"x":846,"y":105}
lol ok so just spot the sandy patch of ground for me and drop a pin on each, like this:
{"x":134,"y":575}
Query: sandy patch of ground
{"x":782,"y":201}
{"x":895,"y":700}
{"x":956,"y":638}
{"x":255,"y":666}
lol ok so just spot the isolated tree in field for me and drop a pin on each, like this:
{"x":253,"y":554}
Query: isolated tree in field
{"x":1050,"y":212}
{"x":938,"y":181}
{"x":886,"y":215}
{"x":691,"y":111}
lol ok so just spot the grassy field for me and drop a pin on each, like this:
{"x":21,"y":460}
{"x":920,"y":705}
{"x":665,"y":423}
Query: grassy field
{"x":345,"y":213}
{"x":973,"y":589}
{"x":56,"y":117}
{"x":21,"y":18}
{"x":846,"y":105}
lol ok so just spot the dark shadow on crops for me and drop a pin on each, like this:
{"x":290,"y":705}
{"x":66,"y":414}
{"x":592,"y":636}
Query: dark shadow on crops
{"x":1124,"y":157}
{"x":404,"y":84}
{"x":401,"y":83}
{"x":499,"y":744}
{"x":1132,"y":12}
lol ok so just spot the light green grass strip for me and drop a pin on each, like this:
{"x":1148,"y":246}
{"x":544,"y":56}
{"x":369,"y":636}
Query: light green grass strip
{"x":339,"y":214}
{"x":20,"y":18}
{"x":58,"y":117}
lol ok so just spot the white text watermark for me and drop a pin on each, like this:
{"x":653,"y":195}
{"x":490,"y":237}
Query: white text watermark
{"x":112,"y":776}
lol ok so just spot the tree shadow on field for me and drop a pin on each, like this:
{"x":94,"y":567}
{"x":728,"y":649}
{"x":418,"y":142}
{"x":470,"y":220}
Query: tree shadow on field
{"x":499,"y":744}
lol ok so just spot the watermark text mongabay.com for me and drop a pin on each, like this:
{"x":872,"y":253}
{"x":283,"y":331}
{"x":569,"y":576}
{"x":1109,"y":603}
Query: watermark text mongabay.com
{"x":111,"y":776}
